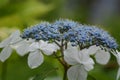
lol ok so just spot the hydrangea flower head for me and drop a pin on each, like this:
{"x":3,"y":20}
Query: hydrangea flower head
{"x":75,"y":43}
{"x":71,"y":31}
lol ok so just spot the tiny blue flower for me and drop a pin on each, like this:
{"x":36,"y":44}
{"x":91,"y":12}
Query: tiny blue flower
{"x":70,"y":31}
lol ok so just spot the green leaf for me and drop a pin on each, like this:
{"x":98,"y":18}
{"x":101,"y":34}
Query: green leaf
{"x":43,"y":75}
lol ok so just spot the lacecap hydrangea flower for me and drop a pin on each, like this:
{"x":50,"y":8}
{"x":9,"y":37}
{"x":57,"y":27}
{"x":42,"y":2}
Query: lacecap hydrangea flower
{"x":75,"y":42}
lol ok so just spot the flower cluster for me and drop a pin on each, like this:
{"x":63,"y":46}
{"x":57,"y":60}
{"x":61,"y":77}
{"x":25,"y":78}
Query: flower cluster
{"x":75,"y":42}
{"x":37,"y":32}
{"x":70,"y":31}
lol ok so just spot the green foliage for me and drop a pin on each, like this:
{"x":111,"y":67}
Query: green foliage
{"x":43,"y":75}
{"x":18,"y":14}
{"x":100,"y":73}
{"x":21,"y":12}
{"x":17,"y":69}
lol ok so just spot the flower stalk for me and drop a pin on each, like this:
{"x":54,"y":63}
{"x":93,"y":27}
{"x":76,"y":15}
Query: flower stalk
{"x":65,"y":64}
{"x":61,"y":59}
{"x":4,"y":71}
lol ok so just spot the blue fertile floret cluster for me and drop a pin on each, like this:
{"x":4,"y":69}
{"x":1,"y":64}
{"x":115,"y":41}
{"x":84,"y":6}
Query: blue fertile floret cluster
{"x":70,"y":31}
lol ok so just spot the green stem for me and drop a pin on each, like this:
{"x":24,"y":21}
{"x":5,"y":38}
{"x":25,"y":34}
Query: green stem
{"x":58,"y":58}
{"x":65,"y":64}
{"x":61,"y":59}
{"x":65,"y":73}
{"x":4,"y":71}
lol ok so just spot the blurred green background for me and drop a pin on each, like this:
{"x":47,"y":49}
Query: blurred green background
{"x":19,"y":14}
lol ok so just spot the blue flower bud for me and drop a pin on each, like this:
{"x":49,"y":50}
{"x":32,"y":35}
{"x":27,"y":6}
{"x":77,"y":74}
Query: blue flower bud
{"x":70,"y":31}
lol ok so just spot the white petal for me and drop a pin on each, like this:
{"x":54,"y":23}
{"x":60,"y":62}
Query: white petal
{"x":74,"y":56}
{"x":117,"y":55}
{"x":77,"y":73}
{"x":5,"y":42}
{"x":48,"y":48}
{"x":86,"y":60}
{"x":5,"y":54}
{"x":21,"y":47}
{"x":71,"y":56}
{"x":35,"y":59}
{"x":15,"y":33}
{"x":118,"y":74}
{"x":92,"y":50}
{"x":89,"y":65}
{"x":102,"y":57}
{"x":15,"y":37}
{"x":34,"y":46}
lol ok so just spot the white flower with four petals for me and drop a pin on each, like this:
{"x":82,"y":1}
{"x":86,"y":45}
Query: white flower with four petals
{"x":7,"y":45}
{"x":82,"y":62}
{"x":35,"y":57}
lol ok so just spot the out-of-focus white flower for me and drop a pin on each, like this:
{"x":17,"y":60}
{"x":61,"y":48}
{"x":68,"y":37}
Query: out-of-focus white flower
{"x":35,"y":57}
{"x":22,"y":47}
{"x":117,"y":55}
{"x":14,"y":42}
{"x":7,"y":43}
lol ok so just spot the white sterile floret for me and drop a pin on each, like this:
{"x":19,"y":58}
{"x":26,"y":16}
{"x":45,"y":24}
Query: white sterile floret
{"x":22,"y":46}
{"x":35,"y":57}
{"x":117,"y":55}
{"x":80,"y":61}
{"x":48,"y":48}
{"x":7,"y":43}
{"x":77,"y":72}
{"x":101,"y":56}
